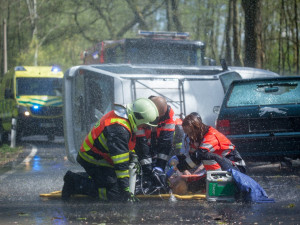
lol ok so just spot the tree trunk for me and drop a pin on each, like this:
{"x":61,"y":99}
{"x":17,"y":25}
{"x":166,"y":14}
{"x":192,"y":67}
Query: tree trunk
{"x":280,"y":44}
{"x":169,"y":23}
{"x":175,"y":16}
{"x":237,"y":61}
{"x":32,"y":9}
{"x":138,"y":14}
{"x":296,"y":20}
{"x":228,"y":55}
{"x":216,"y":33}
{"x":287,"y":39}
{"x":253,"y":50}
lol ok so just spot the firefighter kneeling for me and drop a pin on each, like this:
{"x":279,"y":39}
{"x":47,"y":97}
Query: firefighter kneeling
{"x":104,"y":154}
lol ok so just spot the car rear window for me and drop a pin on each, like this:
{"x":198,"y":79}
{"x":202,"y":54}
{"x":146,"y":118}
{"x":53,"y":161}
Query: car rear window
{"x":265,"y":93}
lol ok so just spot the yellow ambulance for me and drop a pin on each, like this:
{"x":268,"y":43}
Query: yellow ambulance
{"x":33,"y":96}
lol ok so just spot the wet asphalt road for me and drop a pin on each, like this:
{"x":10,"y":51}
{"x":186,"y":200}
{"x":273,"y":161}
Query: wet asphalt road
{"x":22,"y":182}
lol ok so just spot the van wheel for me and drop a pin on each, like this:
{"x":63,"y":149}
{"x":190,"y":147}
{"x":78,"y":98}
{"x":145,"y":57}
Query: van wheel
{"x":50,"y":137}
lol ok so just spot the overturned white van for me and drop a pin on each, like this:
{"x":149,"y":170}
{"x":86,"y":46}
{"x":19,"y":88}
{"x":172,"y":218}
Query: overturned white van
{"x":90,"y":91}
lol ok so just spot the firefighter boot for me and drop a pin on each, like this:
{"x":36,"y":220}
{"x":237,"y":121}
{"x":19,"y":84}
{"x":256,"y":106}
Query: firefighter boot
{"x":68,"y":188}
{"x":76,"y":183}
{"x":85,"y":186}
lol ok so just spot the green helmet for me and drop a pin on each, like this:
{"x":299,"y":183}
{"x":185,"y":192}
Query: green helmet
{"x":142,"y":111}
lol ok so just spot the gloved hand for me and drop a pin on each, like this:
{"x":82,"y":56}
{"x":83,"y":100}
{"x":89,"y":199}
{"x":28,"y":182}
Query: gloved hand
{"x":128,"y":196}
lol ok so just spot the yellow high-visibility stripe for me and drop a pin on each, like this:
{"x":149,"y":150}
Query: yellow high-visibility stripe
{"x":91,"y":138}
{"x":125,"y":122}
{"x":179,"y":145}
{"x":91,"y":159}
{"x":102,"y":193}
{"x":122,"y":173}
{"x":103,"y":142}
{"x":85,"y":145}
{"x":117,"y":159}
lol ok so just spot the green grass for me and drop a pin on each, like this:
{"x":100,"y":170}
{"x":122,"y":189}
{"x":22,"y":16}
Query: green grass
{"x":8,"y":154}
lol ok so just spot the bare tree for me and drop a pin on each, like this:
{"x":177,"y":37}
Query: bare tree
{"x":253,"y":40}
{"x":280,"y":44}
{"x":297,"y":44}
{"x":175,"y":16}
{"x":169,"y":23}
{"x":228,"y":55}
{"x":139,"y":16}
{"x":32,"y":9}
{"x":237,"y":58}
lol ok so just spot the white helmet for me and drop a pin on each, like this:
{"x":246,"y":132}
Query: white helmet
{"x":142,"y":111}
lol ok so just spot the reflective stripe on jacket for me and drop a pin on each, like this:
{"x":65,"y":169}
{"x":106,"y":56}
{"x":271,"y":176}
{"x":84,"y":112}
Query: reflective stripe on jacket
{"x":167,"y":124}
{"x":159,"y":140}
{"x":144,"y":132}
{"x":162,"y":141}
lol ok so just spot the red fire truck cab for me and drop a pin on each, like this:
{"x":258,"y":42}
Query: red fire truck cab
{"x":167,"y":48}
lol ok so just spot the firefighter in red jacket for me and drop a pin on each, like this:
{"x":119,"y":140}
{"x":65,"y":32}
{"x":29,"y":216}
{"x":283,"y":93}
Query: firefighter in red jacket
{"x":208,"y":146}
{"x":153,"y":145}
{"x":104,"y":153}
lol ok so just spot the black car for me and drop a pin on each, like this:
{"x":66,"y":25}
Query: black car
{"x":262,"y":117}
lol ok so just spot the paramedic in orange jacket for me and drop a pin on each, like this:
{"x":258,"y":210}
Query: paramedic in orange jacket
{"x":104,"y":153}
{"x":208,"y":146}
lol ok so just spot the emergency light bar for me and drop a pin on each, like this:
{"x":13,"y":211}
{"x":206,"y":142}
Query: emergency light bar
{"x":55,"y":69}
{"x":20,"y":68}
{"x":182,"y":35}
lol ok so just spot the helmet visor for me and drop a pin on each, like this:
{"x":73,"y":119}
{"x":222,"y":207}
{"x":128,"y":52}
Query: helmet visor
{"x":139,"y":119}
{"x":155,"y":122}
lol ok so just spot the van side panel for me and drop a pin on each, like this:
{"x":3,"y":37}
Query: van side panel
{"x":196,"y":96}
{"x":87,"y":97}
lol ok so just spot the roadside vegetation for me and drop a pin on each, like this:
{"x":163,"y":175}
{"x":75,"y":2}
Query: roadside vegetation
{"x":8,"y":154}
{"x":256,"y":33}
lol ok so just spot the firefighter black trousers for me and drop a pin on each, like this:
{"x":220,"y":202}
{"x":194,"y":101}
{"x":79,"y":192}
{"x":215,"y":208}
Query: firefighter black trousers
{"x":104,"y":177}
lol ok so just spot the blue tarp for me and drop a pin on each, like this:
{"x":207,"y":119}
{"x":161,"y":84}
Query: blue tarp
{"x":250,"y":189}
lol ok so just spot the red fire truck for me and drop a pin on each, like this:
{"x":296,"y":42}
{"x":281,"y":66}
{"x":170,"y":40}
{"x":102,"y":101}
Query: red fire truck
{"x":168,"y":48}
